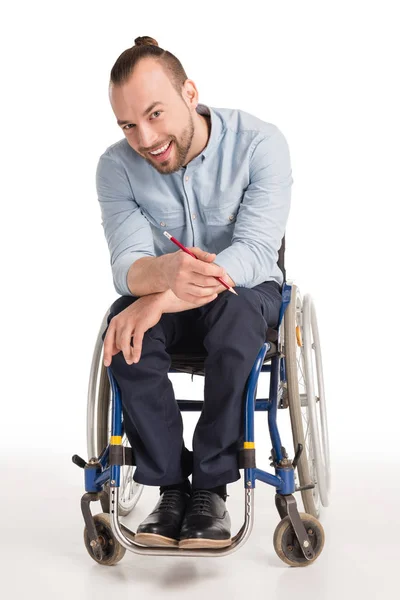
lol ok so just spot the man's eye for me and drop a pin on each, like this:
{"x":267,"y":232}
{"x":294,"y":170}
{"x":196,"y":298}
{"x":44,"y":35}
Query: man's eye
{"x":130,"y":125}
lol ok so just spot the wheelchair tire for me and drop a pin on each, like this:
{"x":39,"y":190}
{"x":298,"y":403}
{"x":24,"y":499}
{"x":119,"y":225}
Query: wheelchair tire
{"x":287,"y":545}
{"x":302,"y":405}
{"x":316,"y":390}
{"x":112,"y":549}
{"x":99,"y":426}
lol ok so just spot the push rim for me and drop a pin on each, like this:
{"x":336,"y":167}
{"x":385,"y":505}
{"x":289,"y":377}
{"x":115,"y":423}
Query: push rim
{"x":297,"y":399}
{"x":301,"y":326}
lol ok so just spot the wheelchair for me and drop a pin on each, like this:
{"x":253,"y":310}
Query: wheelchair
{"x":292,"y":356}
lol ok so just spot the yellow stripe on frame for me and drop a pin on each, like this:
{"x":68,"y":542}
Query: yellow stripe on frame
{"x":249,"y":445}
{"x":116,"y":440}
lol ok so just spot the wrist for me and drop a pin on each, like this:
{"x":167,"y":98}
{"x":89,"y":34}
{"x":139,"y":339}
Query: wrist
{"x":164,"y":298}
{"x":170,"y":303}
{"x":162,"y":269}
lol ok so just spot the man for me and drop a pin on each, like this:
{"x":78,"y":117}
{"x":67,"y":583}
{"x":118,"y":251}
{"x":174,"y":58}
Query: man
{"x":219,"y":181}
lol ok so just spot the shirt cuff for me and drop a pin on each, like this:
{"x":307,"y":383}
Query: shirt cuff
{"x":120,"y":270}
{"x":239,"y":264}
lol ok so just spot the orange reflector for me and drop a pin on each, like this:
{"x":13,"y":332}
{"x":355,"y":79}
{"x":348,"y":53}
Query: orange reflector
{"x":298,"y":336}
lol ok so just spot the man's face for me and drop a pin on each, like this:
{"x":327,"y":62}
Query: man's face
{"x":168,"y":122}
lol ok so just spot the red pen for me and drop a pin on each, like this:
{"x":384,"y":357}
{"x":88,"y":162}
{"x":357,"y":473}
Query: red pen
{"x":182,"y":247}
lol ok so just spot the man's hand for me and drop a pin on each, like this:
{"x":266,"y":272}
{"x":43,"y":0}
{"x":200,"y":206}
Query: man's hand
{"x":191,"y":279}
{"x":134,"y":321}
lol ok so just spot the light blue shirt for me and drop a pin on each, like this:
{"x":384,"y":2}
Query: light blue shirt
{"x":232,"y":199}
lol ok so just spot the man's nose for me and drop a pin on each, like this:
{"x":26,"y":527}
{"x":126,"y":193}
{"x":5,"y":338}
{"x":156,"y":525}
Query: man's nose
{"x":147,"y":137}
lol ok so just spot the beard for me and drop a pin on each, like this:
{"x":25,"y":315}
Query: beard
{"x":181,"y":149}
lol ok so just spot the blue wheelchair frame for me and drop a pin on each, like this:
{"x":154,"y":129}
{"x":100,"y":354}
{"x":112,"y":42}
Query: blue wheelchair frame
{"x":283,"y":480}
{"x":99,"y":471}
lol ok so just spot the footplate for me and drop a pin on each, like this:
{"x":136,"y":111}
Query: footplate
{"x":88,"y":518}
{"x":287,"y":507}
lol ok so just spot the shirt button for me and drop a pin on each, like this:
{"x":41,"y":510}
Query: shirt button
{"x":193,"y":216}
{"x":231,"y":217}
{"x":186,"y":178}
{"x":162,"y":224}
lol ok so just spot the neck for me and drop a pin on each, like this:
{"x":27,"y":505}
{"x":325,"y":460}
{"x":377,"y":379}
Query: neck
{"x":202,"y":130}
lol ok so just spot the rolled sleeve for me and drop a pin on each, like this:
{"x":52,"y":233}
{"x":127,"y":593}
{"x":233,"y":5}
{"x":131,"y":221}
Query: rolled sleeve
{"x":127,"y":231}
{"x":262,"y":216}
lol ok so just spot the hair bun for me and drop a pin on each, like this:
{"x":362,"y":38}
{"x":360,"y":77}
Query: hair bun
{"x":145,"y":41}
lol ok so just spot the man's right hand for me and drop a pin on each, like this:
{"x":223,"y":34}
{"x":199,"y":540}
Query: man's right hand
{"x":192,"y":280}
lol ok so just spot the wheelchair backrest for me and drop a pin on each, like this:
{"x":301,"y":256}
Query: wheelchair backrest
{"x":281,"y":258}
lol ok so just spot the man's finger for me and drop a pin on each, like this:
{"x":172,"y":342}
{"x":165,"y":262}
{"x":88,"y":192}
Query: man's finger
{"x":137,"y":345}
{"x":202,"y":291}
{"x":124,"y":343}
{"x":202,"y":254}
{"x":200,"y":300}
{"x":109,"y":342}
{"x":208,"y":269}
{"x":204,"y":281}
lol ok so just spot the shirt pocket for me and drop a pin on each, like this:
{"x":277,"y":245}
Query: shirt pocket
{"x":165,"y":220}
{"x":221,"y":216}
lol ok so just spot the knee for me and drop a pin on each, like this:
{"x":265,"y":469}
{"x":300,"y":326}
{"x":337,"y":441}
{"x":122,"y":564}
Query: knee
{"x":246,"y":302}
{"x":232,"y":316}
{"x":252,"y":301}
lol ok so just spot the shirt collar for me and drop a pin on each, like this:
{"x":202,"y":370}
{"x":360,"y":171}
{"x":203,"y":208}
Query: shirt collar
{"x":216,"y":129}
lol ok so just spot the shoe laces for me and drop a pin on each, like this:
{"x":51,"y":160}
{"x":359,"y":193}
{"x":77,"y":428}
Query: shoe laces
{"x":201,"y":502}
{"x":168,"y":499}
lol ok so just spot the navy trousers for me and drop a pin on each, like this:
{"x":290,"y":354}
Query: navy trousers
{"x":230,"y":330}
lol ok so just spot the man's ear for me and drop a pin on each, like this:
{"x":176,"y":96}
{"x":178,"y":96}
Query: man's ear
{"x":190,"y":93}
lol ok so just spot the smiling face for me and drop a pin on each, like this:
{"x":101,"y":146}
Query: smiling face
{"x":153,"y":116}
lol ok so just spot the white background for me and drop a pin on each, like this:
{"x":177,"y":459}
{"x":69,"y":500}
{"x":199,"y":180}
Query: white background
{"x":326,"y":74}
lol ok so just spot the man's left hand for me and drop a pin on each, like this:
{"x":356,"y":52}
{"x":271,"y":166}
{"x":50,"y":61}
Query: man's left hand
{"x":134,"y":321}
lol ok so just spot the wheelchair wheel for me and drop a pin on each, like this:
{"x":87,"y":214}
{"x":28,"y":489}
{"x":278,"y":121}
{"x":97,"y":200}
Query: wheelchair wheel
{"x":99,"y":426}
{"x":112,"y":549}
{"x":306,"y":396}
{"x":287,"y":545}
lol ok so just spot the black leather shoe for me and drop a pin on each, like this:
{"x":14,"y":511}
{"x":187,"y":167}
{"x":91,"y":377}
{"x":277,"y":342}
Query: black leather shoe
{"x":207,"y":523}
{"x":162,"y":526}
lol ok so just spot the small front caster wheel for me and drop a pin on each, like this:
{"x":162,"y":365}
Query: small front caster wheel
{"x":287,"y":545}
{"x":112,"y":549}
